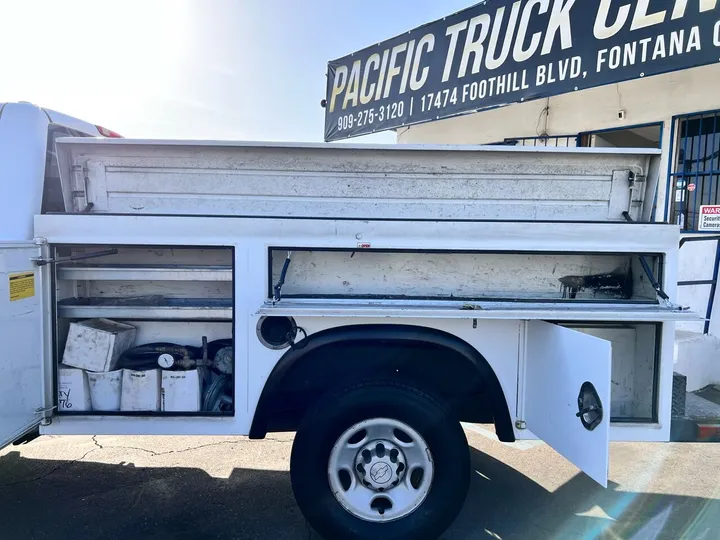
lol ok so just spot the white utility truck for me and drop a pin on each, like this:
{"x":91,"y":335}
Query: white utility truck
{"x":369,"y":298}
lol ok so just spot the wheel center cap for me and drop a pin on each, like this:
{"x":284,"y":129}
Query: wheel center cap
{"x":380,"y":465}
{"x":381,"y":473}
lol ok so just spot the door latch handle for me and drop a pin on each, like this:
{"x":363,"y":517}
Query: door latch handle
{"x":586,"y":410}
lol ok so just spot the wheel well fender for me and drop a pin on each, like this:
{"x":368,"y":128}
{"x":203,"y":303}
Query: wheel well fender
{"x":432,"y":357}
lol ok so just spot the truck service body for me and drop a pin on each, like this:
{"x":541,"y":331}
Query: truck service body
{"x":369,"y":298}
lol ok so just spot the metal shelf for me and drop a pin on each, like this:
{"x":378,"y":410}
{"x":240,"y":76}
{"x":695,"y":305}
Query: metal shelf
{"x":133,"y":272}
{"x":480,"y":310}
{"x":146,"y":308}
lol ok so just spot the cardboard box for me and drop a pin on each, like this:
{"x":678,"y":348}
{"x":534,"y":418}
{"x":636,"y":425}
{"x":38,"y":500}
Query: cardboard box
{"x":140,"y":390}
{"x":73,"y":390}
{"x":96,"y":344}
{"x":181,"y":391}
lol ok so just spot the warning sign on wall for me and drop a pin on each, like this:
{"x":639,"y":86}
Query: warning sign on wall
{"x":710,"y":218}
{"x":22,"y":286}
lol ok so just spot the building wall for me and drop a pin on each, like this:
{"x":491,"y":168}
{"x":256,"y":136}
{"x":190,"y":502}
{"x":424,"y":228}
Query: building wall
{"x":647,"y":100}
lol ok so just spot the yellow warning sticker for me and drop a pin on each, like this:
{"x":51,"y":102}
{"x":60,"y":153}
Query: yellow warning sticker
{"x":22,"y":286}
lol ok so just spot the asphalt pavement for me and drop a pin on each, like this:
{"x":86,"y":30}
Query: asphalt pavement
{"x":144,"y":488}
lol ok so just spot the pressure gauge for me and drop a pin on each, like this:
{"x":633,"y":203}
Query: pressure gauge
{"x":166,"y":361}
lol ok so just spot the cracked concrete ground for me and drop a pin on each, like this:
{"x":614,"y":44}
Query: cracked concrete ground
{"x":232,"y":488}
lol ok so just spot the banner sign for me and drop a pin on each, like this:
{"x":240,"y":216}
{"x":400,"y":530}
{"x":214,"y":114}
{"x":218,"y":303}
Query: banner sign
{"x":504,"y":51}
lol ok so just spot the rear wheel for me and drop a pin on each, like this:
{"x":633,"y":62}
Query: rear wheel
{"x":381,"y":461}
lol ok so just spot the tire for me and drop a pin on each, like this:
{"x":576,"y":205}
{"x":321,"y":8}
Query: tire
{"x":424,"y":509}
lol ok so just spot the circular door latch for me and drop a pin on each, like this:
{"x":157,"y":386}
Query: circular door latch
{"x":590,"y":409}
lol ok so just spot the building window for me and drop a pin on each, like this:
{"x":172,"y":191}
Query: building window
{"x":640,"y":136}
{"x":696,"y":175}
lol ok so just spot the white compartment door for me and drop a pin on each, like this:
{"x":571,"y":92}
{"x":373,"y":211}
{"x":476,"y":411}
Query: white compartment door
{"x":21,"y":335}
{"x":567,"y":394}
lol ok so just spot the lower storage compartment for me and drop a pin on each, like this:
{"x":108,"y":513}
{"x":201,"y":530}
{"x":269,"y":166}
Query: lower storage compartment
{"x":635,"y":368}
{"x":170,"y":367}
{"x":144,"y":331}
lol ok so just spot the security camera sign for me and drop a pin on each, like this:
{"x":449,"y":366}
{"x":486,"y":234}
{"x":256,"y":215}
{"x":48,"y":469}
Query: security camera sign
{"x":500,"y":52}
{"x":709,"y":218}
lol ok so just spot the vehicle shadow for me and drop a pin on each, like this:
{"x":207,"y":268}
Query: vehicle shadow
{"x":47,"y":499}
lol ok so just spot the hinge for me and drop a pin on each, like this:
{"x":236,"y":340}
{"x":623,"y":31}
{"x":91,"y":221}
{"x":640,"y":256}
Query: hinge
{"x":79,"y":188}
{"x":520,"y":424}
{"x":45,"y":409}
{"x":46,"y":413}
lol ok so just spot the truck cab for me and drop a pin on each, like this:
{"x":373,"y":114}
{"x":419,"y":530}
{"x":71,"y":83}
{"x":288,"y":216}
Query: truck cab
{"x":30,"y":180}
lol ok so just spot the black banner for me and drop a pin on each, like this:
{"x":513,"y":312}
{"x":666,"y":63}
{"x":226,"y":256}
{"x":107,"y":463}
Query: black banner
{"x":507,"y":51}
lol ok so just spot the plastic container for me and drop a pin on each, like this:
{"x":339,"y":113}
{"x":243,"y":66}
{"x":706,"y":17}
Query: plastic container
{"x":181,"y":391}
{"x":140,"y":390}
{"x":73,"y":390}
{"x":105,"y":390}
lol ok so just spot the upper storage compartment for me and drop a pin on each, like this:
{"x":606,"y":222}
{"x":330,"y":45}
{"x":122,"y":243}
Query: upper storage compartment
{"x":488,"y":276}
{"x":122,"y":176}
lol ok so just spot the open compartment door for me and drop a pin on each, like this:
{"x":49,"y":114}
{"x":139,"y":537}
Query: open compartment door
{"x":21,"y":335}
{"x":567,"y":394}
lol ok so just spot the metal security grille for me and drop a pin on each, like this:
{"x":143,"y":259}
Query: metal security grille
{"x":696,"y":177}
{"x":557,"y":141}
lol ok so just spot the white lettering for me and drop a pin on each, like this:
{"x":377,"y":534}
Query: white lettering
{"x":575,"y":67}
{"x":559,"y":21}
{"x":383,"y":67}
{"x":427,"y":41}
{"x":659,"y":51}
{"x":492,"y":80}
{"x":564,"y":66}
{"x":520,"y":54}
{"x":393,"y":70}
{"x":540,"y":77}
{"x":483,"y":89}
{"x":614,"y":60}
{"x":677,"y":40}
{"x":681,"y":6}
{"x":601,"y":59}
{"x":694,"y":40}
{"x":501,"y":84}
{"x":630,"y":54}
{"x":645,"y":42}
{"x":716,"y":34}
{"x":550,"y":78}
{"x":366,"y":94}
{"x":452,"y":31}
{"x":339,"y":83}
{"x":474,"y":45}
{"x":408,"y":66}
{"x":353,"y":85}
{"x":641,"y":19}
{"x":491,"y":62}
{"x":602,"y":30}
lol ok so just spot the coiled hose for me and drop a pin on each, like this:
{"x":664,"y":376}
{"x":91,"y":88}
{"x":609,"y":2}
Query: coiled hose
{"x":216,"y":371}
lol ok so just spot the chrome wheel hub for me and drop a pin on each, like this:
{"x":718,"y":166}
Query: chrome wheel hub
{"x":380,"y":470}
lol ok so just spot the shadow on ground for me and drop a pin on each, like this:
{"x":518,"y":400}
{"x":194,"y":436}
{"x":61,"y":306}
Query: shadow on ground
{"x":86,"y":500}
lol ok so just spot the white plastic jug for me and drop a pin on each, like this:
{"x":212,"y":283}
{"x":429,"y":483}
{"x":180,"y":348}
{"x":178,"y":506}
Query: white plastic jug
{"x":105,"y":390}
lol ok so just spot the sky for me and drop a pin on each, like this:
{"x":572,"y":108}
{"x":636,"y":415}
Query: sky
{"x":194,"y":69}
